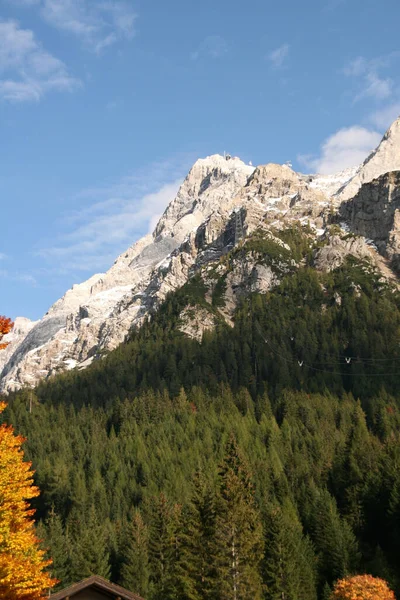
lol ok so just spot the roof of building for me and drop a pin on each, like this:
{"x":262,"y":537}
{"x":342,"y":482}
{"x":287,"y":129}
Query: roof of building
{"x":98,"y":583}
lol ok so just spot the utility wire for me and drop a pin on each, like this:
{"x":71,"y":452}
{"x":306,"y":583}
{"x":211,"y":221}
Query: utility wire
{"x":301,"y":363}
{"x":348,"y":357}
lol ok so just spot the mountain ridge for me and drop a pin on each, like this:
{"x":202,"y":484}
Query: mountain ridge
{"x":221,"y":201}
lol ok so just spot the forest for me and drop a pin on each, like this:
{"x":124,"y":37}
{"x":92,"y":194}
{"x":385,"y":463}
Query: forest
{"x":262,"y":459}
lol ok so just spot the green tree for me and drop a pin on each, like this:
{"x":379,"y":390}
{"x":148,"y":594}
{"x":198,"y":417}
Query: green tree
{"x":90,"y":554}
{"x":239,"y":537}
{"x":289,"y":557}
{"x":196,"y":566}
{"x":135,"y":568}
{"x":164,"y":548}
{"x":59,"y":548}
{"x":334,"y":539}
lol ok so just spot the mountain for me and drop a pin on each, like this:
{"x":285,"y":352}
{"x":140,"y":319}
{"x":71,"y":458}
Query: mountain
{"x":384,"y":159}
{"x":261,"y":388}
{"x":221,"y":202}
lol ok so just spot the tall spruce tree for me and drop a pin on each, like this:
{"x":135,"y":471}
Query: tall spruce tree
{"x":334,"y":539}
{"x":135,"y":568}
{"x":239,"y":536}
{"x":58,"y":546}
{"x":90,"y":554}
{"x":196,"y":567}
{"x":289,"y":563}
{"x":164,"y":547}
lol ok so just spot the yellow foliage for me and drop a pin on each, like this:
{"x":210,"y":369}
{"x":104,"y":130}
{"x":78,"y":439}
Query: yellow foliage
{"x":362,"y":587}
{"x":22,"y":563}
{"x":5,"y":327}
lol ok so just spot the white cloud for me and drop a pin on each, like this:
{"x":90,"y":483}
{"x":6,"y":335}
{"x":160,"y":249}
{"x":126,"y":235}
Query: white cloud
{"x":27,"y":71}
{"x":278,"y":56}
{"x":348,"y":147}
{"x":375,"y":87}
{"x":369,"y":83}
{"x":26,"y":278}
{"x":110,"y":218}
{"x":213,"y":46}
{"x":98,"y":23}
{"x":385,"y":116}
{"x":20,"y":277}
{"x":356,"y":67}
{"x":3,"y":256}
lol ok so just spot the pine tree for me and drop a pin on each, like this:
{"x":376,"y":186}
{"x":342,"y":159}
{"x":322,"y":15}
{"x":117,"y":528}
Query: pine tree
{"x":196,"y":566}
{"x":90,"y":554}
{"x":335,"y":542}
{"x":239,"y":538}
{"x":135,"y":568}
{"x":289,"y":557}
{"x":57,"y":542}
{"x":164,"y":548}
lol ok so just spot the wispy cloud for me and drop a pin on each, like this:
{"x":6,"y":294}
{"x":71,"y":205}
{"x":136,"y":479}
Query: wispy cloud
{"x":213,"y":46}
{"x":26,"y":278}
{"x":27,"y":71}
{"x":3,"y":256}
{"x":385,"y":116}
{"x":348,"y":147}
{"x":278,"y":57}
{"x":111,"y":217}
{"x":99,"y":24}
{"x":369,"y":83}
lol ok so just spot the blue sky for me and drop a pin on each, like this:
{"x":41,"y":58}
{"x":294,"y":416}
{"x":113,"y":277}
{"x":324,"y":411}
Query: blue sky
{"x":105,"y":104}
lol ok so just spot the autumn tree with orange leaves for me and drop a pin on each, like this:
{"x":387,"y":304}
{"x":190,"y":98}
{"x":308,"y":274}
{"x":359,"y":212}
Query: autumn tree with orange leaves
{"x":22,"y":565}
{"x":5,"y":327}
{"x":362,"y":587}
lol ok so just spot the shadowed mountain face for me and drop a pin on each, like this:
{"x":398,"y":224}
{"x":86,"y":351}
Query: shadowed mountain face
{"x":374,"y":213}
{"x":218,"y":206}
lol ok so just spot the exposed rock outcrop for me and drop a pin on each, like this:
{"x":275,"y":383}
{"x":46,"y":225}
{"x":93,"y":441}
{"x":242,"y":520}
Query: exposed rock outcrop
{"x":333,"y":254}
{"x":385,"y":158}
{"x":375,"y":213}
{"x":218,"y":206}
{"x":195,"y":320}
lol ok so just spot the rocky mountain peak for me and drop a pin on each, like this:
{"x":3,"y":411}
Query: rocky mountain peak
{"x":385,"y":158}
{"x":220,"y":204}
{"x":208,"y":182}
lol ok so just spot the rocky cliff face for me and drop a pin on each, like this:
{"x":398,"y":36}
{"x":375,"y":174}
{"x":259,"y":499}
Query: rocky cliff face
{"x":97,"y":314}
{"x":219,"y":205}
{"x":374,"y":213}
{"x":384,"y":159}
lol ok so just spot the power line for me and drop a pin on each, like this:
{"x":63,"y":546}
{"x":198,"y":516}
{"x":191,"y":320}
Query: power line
{"x":349,"y":358}
{"x":302,"y":363}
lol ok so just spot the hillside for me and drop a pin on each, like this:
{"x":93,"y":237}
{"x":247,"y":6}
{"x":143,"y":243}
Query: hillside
{"x":281,"y":372}
{"x":233,"y":382}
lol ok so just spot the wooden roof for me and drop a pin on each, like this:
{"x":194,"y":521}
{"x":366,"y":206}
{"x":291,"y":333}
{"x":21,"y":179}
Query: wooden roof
{"x":98,"y":583}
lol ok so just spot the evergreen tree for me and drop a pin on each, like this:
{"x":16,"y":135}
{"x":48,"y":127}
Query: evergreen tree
{"x":164,"y":548}
{"x":90,"y":555}
{"x":135,"y":568}
{"x":289,"y":557}
{"x":196,"y":566}
{"x":239,"y":538}
{"x":58,"y":547}
{"x":335,"y":542}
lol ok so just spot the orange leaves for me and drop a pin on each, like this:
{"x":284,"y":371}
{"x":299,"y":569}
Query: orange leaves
{"x":362,"y":587}
{"x":22,"y":563}
{"x":5,"y":327}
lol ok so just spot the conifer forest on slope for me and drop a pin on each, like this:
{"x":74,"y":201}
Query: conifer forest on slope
{"x":278,"y":437}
